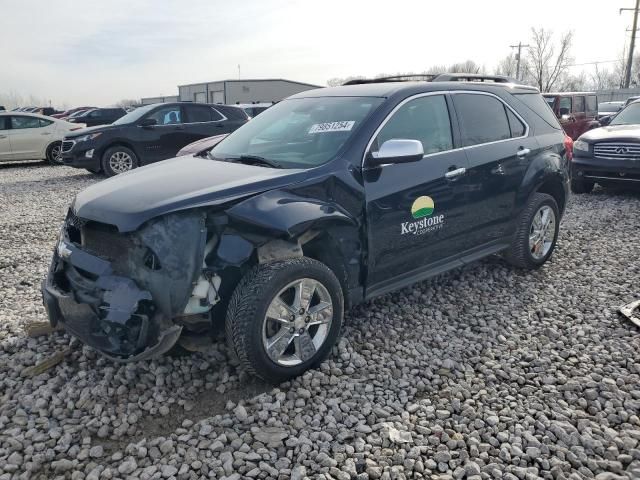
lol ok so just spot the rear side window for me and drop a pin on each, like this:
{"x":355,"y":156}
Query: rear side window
{"x":425,"y":119}
{"x":24,"y":122}
{"x":516,"y":126}
{"x":232,"y":113}
{"x":578,"y":104}
{"x":4,"y":125}
{"x":44,"y":123}
{"x":482,"y":119}
{"x":539,"y":106}
{"x":198,"y":113}
{"x":565,"y":106}
{"x":592,"y":103}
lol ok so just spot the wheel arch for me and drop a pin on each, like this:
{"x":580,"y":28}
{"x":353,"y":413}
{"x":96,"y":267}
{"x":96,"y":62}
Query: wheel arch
{"x":117,"y":143}
{"x":553,"y":186}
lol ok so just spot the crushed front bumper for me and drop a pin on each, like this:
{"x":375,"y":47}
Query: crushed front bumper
{"x":103,"y":289}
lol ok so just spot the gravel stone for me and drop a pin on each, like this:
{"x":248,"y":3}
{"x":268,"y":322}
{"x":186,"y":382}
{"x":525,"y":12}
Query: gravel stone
{"x":483,"y":372}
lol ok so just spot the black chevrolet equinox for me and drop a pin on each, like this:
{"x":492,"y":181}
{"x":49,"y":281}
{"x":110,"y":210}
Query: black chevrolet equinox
{"x":146,"y":135}
{"x":327,"y":199}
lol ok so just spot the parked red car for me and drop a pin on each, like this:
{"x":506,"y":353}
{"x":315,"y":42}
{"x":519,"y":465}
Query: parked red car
{"x":576,"y":111}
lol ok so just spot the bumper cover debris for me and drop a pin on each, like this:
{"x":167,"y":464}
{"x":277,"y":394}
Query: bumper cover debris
{"x":632,"y":312}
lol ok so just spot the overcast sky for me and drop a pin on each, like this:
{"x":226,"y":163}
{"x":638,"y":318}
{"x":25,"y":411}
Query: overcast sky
{"x":98,"y":52}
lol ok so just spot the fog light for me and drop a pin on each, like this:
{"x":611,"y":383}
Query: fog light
{"x":89,"y":153}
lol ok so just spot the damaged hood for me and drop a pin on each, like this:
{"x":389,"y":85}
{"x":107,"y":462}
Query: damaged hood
{"x":129,"y":200}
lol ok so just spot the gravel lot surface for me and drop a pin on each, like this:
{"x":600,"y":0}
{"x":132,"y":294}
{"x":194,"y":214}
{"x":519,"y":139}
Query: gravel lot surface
{"x":485,"y":372}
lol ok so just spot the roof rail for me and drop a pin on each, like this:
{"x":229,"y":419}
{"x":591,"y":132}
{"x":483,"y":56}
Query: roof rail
{"x":437,"y":77}
{"x":425,"y":77}
{"x":472,"y":77}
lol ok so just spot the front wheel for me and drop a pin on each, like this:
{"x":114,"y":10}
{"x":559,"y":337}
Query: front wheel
{"x":54,"y":153}
{"x":536,"y":234}
{"x":117,"y":160}
{"x":283,"y":318}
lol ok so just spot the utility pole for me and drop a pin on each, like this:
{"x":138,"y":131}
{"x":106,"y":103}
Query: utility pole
{"x":519,"y":56}
{"x":627,"y":75}
{"x":238,"y":71}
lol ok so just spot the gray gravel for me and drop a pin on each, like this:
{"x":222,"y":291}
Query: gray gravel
{"x":482,"y":373}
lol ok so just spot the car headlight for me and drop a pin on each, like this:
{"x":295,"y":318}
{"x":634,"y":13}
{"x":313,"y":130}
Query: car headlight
{"x":87,"y":137}
{"x":580,"y":145}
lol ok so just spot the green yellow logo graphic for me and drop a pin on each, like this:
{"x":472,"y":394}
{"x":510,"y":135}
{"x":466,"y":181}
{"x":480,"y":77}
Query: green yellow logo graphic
{"x":422,"y":207}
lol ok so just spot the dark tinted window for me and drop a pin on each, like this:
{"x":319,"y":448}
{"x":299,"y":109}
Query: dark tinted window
{"x":44,"y":123}
{"x":592,"y":103}
{"x":198,"y":113}
{"x":167,"y":115}
{"x":425,"y":119}
{"x":539,"y":106}
{"x":24,"y":122}
{"x":232,"y":113}
{"x":4,"y":124}
{"x":516,"y":126}
{"x":216,"y":116}
{"x":578,"y":104}
{"x":482,"y":119}
{"x":565,"y":105}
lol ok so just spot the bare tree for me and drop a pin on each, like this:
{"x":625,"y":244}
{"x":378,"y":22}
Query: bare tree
{"x":468,"y":66}
{"x":546,"y":62}
{"x":507,"y":66}
{"x":603,"y":78}
{"x":126,"y":102}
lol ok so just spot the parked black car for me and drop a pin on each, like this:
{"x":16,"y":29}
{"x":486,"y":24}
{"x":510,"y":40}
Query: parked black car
{"x":146,"y":135}
{"x":98,"y":116}
{"x":609,"y":155}
{"x":327,"y":199}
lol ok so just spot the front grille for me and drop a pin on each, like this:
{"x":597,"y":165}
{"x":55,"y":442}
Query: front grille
{"x":67,"y":145}
{"x":617,"y":151}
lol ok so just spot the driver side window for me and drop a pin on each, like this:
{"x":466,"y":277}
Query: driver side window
{"x":425,"y":119}
{"x":166,"y":115}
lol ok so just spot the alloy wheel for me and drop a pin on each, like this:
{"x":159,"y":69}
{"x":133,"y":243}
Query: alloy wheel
{"x":297,"y":322}
{"x":542,"y":232}
{"x":120,"y":162}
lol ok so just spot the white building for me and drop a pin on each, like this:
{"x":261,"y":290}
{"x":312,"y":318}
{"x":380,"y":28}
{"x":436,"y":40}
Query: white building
{"x":241,"y":91}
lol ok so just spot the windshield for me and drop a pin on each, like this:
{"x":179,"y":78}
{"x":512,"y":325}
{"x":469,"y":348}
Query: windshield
{"x":134,"y":115}
{"x":609,"y":107}
{"x":629,"y":116}
{"x":298,"y":133}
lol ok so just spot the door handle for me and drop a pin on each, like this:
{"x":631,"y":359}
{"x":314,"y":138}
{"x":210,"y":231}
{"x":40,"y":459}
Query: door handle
{"x":523,"y":152}
{"x":453,"y":174}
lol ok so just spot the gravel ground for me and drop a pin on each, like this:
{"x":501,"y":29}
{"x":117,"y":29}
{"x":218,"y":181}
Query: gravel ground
{"x":485,"y":372}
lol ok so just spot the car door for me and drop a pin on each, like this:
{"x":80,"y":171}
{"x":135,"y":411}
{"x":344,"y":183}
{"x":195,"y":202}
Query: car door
{"x":202,"y":121}
{"x":498,"y":149}
{"x":5,"y":142}
{"x":29,"y":137}
{"x":565,"y":116}
{"x":163,"y":139}
{"x":579,"y":114}
{"x":413,"y":210}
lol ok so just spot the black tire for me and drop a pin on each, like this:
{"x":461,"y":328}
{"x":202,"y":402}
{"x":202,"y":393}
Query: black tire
{"x":579,"y":185}
{"x":246,"y":316}
{"x":128,"y":155}
{"x":54,"y":153}
{"x":520,"y":253}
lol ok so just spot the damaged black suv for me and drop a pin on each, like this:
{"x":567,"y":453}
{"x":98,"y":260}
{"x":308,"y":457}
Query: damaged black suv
{"x":325,"y":200}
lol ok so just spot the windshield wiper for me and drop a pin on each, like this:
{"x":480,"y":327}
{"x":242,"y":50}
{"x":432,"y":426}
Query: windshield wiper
{"x":256,"y":159}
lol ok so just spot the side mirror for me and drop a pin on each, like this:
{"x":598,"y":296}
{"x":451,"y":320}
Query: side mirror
{"x":397,"y":151}
{"x":605,"y":120}
{"x":148,"y":122}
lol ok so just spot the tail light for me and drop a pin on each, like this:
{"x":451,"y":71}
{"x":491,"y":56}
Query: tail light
{"x":568,"y":146}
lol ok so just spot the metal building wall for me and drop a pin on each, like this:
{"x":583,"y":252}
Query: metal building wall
{"x":248,"y":91}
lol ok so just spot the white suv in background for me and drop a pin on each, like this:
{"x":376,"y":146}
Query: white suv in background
{"x":29,"y":136}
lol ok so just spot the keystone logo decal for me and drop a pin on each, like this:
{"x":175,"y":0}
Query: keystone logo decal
{"x":422,"y":208}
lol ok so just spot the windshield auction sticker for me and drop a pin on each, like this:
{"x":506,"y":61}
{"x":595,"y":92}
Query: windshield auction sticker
{"x":332,"y":127}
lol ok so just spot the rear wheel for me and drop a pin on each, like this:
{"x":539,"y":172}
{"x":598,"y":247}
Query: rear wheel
{"x":117,"y":160}
{"x":537,"y":233}
{"x":579,"y":185}
{"x":284,"y":317}
{"x":54,"y":153}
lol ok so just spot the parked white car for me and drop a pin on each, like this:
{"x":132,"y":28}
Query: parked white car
{"x":29,"y":136}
